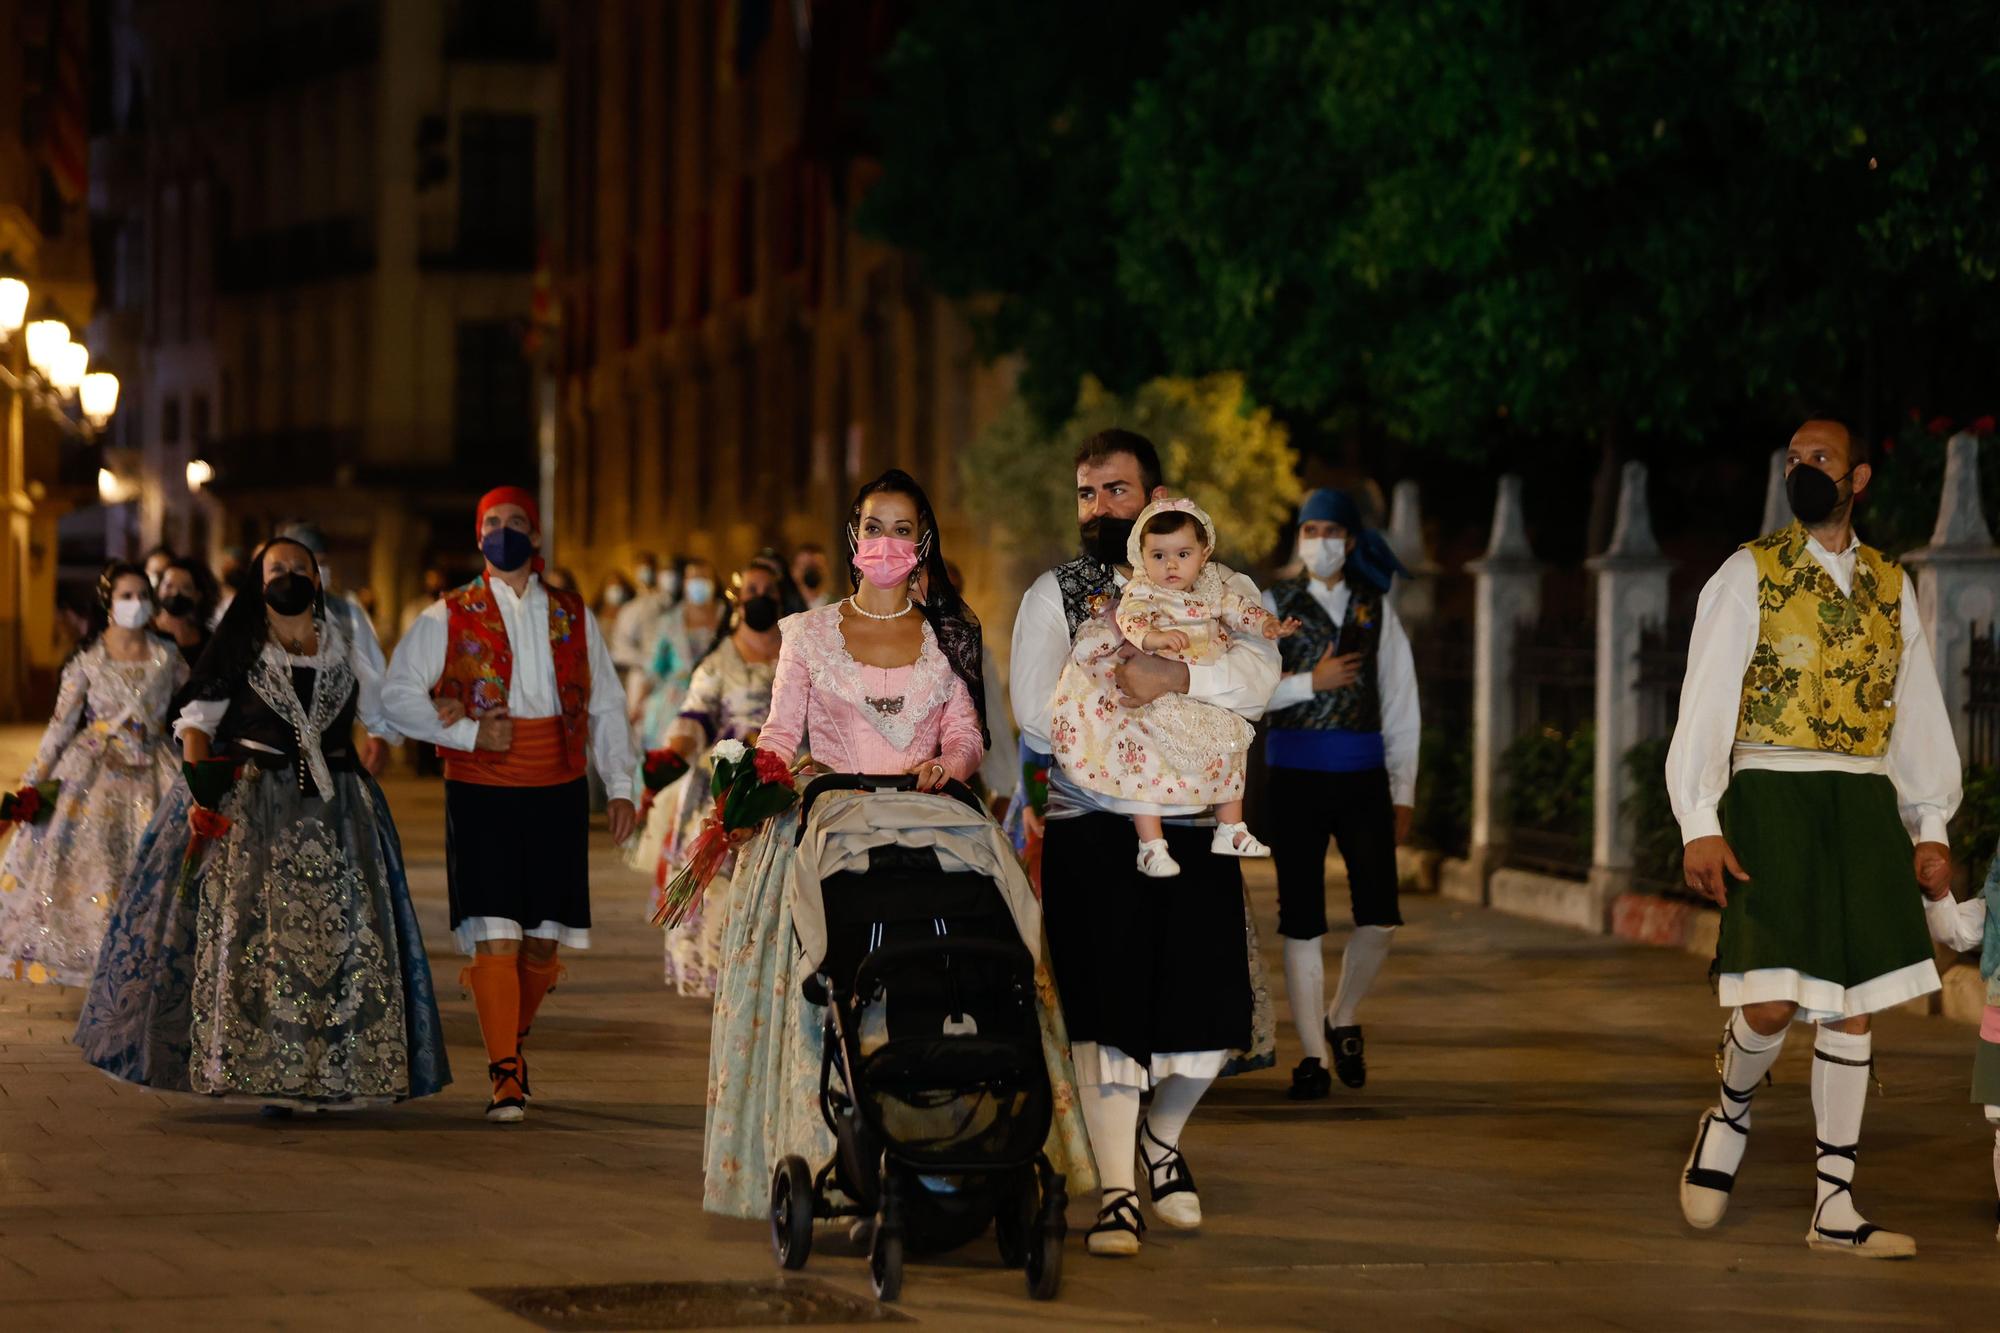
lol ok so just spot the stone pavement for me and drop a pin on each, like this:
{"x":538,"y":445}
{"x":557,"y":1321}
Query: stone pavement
{"x":1511,"y":1165}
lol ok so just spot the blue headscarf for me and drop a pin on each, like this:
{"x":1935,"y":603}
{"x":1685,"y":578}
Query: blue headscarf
{"x":1369,"y":555}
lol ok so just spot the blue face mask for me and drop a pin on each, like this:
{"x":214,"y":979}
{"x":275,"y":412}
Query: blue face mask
{"x":507,"y":549}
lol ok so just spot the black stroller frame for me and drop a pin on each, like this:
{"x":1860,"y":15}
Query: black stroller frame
{"x":877,"y":1173}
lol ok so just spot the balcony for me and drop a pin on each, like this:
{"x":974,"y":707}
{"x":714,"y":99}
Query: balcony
{"x":293,"y":256}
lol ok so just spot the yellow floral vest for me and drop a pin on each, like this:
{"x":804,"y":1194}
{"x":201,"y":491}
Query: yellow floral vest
{"x":1823,"y":676}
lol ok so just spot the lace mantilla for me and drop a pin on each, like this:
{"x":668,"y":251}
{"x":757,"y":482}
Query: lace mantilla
{"x":834,"y":670}
{"x":333,"y":677}
{"x":1082,"y":581}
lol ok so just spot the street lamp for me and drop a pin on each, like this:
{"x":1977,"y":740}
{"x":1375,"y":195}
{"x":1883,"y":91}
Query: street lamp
{"x":66,"y":375}
{"x":99,"y":395}
{"x":44,"y":337}
{"x":13,"y":306}
{"x":199,"y":474}
{"x":108,"y":489}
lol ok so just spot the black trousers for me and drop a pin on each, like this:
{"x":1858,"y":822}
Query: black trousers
{"x":1306,"y":808}
{"x":1145,"y":965}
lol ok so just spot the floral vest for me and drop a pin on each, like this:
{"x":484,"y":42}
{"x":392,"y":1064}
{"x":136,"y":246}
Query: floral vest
{"x":1823,"y":676}
{"x":479,"y":660}
{"x":1356,"y":707}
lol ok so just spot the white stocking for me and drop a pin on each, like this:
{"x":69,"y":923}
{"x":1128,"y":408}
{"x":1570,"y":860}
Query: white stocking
{"x":1747,"y":1055}
{"x":1305,"y":985}
{"x":1174,"y":1100}
{"x":1839,"y":1095}
{"x":1111,"y":1114}
{"x":1367,"y":947}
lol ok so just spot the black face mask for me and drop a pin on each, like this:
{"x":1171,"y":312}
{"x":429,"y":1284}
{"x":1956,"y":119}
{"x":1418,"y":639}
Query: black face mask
{"x":812,"y":578}
{"x":760,"y":613}
{"x":1814,"y":496}
{"x":289,"y":594}
{"x":180,"y":606}
{"x":1106,"y":539}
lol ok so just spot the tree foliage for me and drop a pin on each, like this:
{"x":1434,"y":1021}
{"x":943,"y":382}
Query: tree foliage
{"x":1229,"y":457}
{"x":1469,"y":224}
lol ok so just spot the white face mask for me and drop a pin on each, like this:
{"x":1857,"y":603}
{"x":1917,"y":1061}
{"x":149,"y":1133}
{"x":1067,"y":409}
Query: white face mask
{"x":670,"y":584}
{"x":614,"y":597}
{"x":700,"y":592}
{"x":1324,"y":556}
{"x":131,"y":613}
{"x":645,"y":576}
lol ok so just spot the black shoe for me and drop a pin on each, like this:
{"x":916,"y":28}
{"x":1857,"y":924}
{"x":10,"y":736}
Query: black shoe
{"x":1345,"y":1043}
{"x":1310,"y":1081}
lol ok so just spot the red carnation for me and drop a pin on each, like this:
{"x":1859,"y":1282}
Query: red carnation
{"x":770,"y":768}
{"x":1983,"y":426}
{"x":1939,"y":426}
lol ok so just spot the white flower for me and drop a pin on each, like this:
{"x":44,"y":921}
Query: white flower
{"x":729,"y":752}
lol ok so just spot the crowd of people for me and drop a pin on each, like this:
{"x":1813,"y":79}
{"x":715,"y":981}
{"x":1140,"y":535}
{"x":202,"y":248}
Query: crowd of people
{"x":222,"y":874}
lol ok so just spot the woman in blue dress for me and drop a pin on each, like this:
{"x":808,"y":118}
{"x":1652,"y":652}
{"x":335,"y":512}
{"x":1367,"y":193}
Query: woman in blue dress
{"x":290,"y":971}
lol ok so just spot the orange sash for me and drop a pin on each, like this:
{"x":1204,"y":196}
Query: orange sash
{"x":541,"y":757}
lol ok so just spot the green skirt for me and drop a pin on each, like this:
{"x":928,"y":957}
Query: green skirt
{"x":1832,"y":919}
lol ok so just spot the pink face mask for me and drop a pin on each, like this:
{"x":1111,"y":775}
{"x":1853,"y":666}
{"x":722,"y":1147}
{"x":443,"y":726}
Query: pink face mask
{"x":886,"y":562}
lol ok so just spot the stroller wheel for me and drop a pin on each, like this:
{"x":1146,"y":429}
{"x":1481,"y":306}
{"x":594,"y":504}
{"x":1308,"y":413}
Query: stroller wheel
{"x":792,"y":1213}
{"x":1045,"y":1253}
{"x":885,"y":1265}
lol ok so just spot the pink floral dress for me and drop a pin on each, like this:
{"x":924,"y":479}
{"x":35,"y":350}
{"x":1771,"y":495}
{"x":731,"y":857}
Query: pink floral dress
{"x":1176,"y":752}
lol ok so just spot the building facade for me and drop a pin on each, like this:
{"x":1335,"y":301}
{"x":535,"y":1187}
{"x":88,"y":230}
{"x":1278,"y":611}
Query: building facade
{"x":734,"y":359}
{"x":47,"y":468}
{"x":324,"y":219}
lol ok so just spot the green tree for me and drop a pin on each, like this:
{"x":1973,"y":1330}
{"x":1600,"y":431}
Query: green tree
{"x":1231,"y":458}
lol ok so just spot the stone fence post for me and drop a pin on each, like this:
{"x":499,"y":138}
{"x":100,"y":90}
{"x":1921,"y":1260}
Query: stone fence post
{"x":1777,"y":506}
{"x":1958,"y":579}
{"x":1631,"y":578}
{"x":1508,"y":594}
{"x":1415,"y":598}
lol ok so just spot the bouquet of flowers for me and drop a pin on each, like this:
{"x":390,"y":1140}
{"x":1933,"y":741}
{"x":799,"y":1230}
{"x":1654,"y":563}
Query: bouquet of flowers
{"x":1035,"y":796}
{"x":208,"y":782}
{"x":660,"y":770}
{"x":750,"y":786}
{"x":33,"y":804}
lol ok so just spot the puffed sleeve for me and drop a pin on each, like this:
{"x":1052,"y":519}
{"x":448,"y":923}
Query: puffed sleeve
{"x":71,"y":695}
{"x":960,"y":745}
{"x":791,"y":693}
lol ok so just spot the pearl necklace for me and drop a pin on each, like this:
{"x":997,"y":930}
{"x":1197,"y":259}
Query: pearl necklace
{"x":860,"y":610}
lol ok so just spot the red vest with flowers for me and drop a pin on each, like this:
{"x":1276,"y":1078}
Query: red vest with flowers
{"x":479,"y":670}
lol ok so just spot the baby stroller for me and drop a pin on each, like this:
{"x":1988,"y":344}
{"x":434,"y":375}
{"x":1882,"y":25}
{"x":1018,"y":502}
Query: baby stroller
{"x":933,"y":1080}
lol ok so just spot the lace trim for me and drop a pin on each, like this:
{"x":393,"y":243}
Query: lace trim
{"x":834,"y":670}
{"x":333,"y":676}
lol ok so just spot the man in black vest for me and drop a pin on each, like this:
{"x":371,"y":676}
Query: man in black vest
{"x":1154,"y":974}
{"x":1342,"y":753}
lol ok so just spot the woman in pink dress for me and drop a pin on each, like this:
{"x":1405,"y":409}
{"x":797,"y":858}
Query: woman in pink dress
{"x":879,"y":683}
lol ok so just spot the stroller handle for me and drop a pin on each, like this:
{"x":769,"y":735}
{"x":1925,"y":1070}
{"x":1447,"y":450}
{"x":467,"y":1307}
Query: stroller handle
{"x":953,"y":788}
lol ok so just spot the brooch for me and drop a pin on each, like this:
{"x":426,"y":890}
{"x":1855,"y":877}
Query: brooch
{"x":887,"y":707}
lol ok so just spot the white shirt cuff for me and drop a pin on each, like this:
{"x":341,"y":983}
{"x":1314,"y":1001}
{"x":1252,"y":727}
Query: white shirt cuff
{"x":1956,"y":925}
{"x":1292,"y":690}
{"x":1701,"y":823}
{"x":1931,"y":826}
{"x":1402,"y":791}
{"x":462,"y":734}
{"x":1205,"y":682}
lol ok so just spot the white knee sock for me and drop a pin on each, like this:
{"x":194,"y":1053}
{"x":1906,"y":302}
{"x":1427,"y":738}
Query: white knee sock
{"x":1305,"y":985}
{"x":1174,"y":1100}
{"x":1366,"y":948}
{"x":1111,"y":1114}
{"x":1747,"y":1055}
{"x":1839,"y":1094}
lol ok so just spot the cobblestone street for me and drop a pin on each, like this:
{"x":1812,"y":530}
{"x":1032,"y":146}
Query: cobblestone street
{"x":1511,"y":1164}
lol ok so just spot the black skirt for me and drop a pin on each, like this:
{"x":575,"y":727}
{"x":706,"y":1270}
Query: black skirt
{"x":519,"y":853}
{"x":1145,"y":965}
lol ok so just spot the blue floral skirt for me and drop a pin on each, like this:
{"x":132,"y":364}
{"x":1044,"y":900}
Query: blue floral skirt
{"x":292,"y":970}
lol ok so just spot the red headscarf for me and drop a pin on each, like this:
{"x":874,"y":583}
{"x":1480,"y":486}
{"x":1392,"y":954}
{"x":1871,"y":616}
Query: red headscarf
{"x":507,"y":495}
